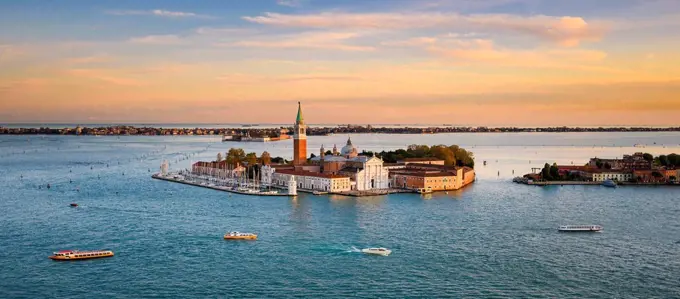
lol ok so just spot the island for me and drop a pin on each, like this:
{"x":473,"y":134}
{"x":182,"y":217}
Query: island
{"x":636,"y":169}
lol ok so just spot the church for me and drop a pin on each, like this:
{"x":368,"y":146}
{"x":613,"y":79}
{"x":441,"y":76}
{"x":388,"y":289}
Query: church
{"x":364,"y":173}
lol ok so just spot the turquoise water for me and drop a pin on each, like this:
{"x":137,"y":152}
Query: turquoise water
{"x":493,"y":239}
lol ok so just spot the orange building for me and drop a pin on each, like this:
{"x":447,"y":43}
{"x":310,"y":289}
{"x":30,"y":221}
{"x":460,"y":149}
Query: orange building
{"x":434,"y":179}
{"x":300,"y":139}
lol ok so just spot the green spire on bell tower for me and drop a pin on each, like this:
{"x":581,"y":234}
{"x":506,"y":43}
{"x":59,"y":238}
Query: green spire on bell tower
{"x":300,"y":119}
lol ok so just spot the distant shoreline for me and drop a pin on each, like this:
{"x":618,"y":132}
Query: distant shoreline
{"x":312,"y":131}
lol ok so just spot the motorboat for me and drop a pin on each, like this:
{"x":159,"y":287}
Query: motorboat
{"x":66,"y":255}
{"x":609,"y":183}
{"x":580,"y":228}
{"x":377,"y":251}
{"x":74,"y":204}
{"x":239,"y":236}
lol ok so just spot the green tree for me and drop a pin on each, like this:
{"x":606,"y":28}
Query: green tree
{"x":648,"y":157}
{"x":251,"y":159}
{"x":663,"y":160}
{"x":607,"y":165}
{"x":545,"y":173}
{"x":554,"y":171}
{"x":235,"y":156}
{"x":444,"y":153}
{"x":674,"y":159}
{"x":266,"y":158}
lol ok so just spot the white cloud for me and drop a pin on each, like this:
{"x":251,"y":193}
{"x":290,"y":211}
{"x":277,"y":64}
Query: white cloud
{"x":157,"y":40}
{"x":567,"y":31}
{"x":289,"y":3}
{"x":308,"y":40}
{"x":157,"y":12}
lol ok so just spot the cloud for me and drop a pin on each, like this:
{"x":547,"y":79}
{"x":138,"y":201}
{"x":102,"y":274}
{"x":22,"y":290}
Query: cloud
{"x":168,"y":39}
{"x":157,"y":12}
{"x":216,"y":31}
{"x":90,"y":59}
{"x":479,"y":52}
{"x":411,"y":42}
{"x":308,"y":40}
{"x":11,"y":52}
{"x":241,"y":79}
{"x":289,"y":3}
{"x":567,"y":31}
{"x":104,"y":75}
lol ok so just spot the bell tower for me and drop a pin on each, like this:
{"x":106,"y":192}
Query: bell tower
{"x":300,"y":139}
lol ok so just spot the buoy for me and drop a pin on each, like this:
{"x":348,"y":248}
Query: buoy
{"x":48,"y":186}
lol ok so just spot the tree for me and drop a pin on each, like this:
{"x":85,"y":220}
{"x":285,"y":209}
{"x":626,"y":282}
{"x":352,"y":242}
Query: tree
{"x":251,"y":159}
{"x":598,"y":163}
{"x":648,"y":157}
{"x":546,"y":172}
{"x":312,"y":156}
{"x":266,"y":158}
{"x":663,"y":160}
{"x":235,"y":156}
{"x":328,"y":153}
{"x":278,"y":160}
{"x":444,"y":153}
{"x":674,"y":159}
{"x":219,"y":157}
{"x":657,"y":174}
{"x":554,"y":171}
{"x":607,"y":165}
{"x":672,"y":178}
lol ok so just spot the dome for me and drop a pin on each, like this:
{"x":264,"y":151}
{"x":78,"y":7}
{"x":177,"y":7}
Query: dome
{"x":348,"y":149}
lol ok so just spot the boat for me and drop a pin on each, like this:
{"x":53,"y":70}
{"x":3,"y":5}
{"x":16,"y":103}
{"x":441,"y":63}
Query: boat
{"x":580,"y":228}
{"x":427,"y":190}
{"x":377,"y":251}
{"x":240,"y":236}
{"x":74,"y":204}
{"x":67,"y":255}
{"x":609,"y":183}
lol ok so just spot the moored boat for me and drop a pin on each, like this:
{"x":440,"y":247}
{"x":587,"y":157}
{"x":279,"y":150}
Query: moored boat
{"x":74,"y":204}
{"x":377,"y":251}
{"x":239,"y":236}
{"x":67,"y":255}
{"x":580,"y":228}
{"x":609,"y":183}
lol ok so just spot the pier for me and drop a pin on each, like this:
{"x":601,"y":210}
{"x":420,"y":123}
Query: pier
{"x":198,"y":182}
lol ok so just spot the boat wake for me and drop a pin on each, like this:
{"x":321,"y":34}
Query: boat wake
{"x":353,"y":249}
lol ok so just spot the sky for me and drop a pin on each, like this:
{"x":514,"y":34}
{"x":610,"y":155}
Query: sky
{"x":461,"y":62}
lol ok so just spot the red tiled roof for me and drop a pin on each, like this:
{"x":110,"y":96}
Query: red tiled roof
{"x":427,"y":174}
{"x":312,"y":174}
{"x":421,"y":159}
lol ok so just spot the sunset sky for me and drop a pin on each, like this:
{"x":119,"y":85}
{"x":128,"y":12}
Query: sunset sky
{"x":461,"y":62}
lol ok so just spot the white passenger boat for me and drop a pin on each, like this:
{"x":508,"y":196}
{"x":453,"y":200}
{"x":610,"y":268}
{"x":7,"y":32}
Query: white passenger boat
{"x":377,"y":251}
{"x":580,"y":228}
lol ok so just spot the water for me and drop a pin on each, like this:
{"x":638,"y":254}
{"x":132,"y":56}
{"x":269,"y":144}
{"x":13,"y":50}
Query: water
{"x":493,"y":239}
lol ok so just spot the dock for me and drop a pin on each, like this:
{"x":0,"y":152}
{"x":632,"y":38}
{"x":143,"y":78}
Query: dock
{"x":206,"y":184}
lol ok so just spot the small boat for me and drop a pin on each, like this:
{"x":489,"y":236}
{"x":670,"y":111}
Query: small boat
{"x":67,"y":255}
{"x":609,"y":183}
{"x":580,"y":228}
{"x":74,"y":204}
{"x":240,"y":236}
{"x":377,"y":251}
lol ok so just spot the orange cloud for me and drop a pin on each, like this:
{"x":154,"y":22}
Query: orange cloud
{"x":567,"y":31}
{"x":310,"y":40}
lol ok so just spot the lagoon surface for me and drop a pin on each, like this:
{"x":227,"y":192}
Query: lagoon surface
{"x":492,"y":239}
